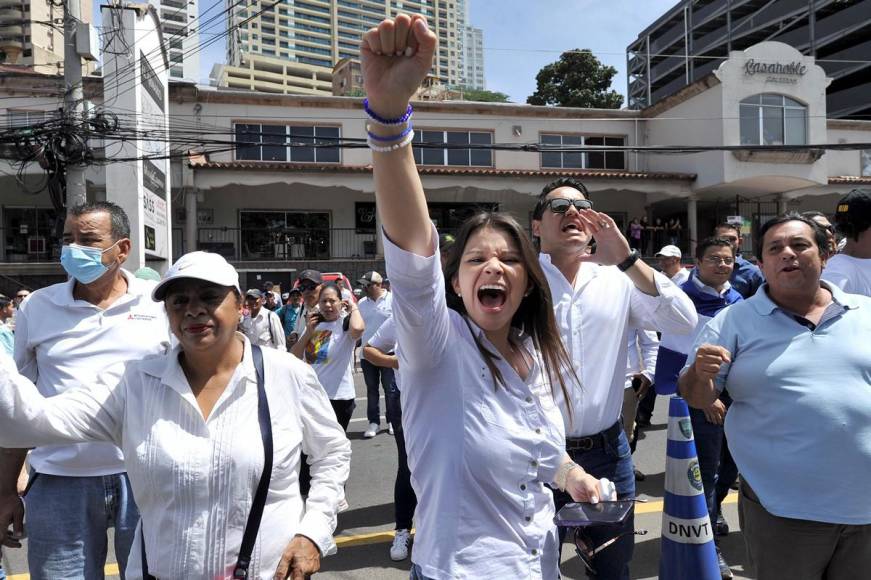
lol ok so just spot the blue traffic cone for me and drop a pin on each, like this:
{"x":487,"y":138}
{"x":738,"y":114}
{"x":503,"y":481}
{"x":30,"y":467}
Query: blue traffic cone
{"x":688,"y":551}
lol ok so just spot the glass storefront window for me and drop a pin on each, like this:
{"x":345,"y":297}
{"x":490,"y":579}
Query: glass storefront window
{"x":284,"y":235}
{"x":29,"y":234}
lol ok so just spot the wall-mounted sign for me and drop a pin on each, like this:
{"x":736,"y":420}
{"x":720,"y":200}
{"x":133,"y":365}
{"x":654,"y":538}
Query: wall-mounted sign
{"x":776,"y":72}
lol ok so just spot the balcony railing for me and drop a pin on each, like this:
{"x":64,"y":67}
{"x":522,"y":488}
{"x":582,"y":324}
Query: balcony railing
{"x":270,"y":245}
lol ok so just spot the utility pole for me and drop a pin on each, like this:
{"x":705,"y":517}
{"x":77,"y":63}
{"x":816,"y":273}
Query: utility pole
{"x":74,"y":102}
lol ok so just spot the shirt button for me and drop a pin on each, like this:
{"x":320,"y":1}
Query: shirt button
{"x":537,"y":430}
{"x":523,"y":487}
{"x":534,"y":552}
{"x":534,"y":463}
{"x":528,"y":518}
{"x":528,"y":399}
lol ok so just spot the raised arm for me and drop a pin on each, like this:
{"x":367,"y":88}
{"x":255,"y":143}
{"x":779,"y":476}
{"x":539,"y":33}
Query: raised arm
{"x":396,"y":57}
{"x":356,"y":326}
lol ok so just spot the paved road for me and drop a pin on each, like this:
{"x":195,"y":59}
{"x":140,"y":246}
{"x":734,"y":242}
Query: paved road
{"x":364,"y":530}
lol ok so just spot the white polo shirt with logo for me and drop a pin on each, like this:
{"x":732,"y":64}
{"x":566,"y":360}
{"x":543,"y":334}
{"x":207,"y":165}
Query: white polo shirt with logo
{"x":61,"y":342}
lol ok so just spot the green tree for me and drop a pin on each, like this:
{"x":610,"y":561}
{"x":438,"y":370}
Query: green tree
{"x":577,"y":79}
{"x":481,"y":95}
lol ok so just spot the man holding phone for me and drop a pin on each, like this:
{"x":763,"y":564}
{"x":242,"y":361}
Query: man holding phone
{"x":309,"y":283}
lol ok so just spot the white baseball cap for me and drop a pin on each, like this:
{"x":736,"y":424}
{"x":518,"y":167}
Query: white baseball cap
{"x":204,"y":266}
{"x":669,"y":252}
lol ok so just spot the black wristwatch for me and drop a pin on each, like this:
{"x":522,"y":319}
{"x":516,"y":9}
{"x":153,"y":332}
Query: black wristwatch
{"x":628,"y":262}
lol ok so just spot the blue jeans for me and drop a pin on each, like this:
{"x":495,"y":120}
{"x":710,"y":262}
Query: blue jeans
{"x":375,"y":377}
{"x":67,"y":519}
{"x":404,"y":498}
{"x":709,"y":445}
{"x":416,"y":574}
{"x":614,"y":461}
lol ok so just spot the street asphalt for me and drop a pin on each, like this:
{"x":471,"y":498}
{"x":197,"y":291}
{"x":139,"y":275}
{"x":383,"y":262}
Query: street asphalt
{"x":363,"y":534}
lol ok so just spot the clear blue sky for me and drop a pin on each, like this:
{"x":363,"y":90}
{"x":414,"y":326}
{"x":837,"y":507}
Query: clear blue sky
{"x":520,"y":36}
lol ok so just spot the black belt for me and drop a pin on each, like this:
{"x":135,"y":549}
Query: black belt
{"x":594,"y":441}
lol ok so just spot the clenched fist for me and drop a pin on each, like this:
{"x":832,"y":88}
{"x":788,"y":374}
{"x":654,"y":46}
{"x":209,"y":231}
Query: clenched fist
{"x":709,"y":359}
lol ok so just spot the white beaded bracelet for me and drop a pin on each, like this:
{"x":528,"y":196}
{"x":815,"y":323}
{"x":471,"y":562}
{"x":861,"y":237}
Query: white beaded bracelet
{"x":562,"y":474}
{"x":406,"y":141}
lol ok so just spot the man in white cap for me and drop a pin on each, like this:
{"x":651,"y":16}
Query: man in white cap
{"x":375,"y":308}
{"x":669,"y":262}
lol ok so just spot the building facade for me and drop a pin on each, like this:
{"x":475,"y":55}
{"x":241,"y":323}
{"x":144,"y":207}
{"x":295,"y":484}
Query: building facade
{"x":285,"y":198}
{"x":29,"y":39}
{"x":322,"y":32}
{"x":181,"y":33}
{"x":473,"y":58}
{"x":696,"y":36}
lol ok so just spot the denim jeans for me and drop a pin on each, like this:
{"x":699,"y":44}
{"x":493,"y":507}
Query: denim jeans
{"x":67,"y":519}
{"x":709,"y":445}
{"x":614,"y":461}
{"x":416,"y":574}
{"x":404,"y":498}
{"x":375,"y":377}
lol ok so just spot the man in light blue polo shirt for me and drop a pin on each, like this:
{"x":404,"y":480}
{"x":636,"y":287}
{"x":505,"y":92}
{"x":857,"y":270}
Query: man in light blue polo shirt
{"x":797,"y":362}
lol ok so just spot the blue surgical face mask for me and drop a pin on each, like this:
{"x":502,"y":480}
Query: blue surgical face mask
{"x":83,"y":263}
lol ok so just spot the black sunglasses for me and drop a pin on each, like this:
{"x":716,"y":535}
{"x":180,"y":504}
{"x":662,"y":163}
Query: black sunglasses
{"x":561,"y":205}
{"x":308,"y":286}
{"x":587,"y":550}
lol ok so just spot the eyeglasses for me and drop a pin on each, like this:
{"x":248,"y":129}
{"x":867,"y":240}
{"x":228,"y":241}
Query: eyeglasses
{"x":587,"y":550}
{"x":561,"y":205}
{"x":717,"y":260}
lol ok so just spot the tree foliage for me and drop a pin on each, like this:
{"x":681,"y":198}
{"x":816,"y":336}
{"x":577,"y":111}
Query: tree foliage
{"x":577,"y":79}
{"x":483,"y":96}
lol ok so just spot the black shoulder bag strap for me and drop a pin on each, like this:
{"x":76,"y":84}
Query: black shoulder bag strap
{"x":240,"y":572}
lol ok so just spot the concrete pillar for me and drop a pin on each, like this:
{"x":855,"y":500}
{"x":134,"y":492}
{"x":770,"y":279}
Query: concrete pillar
{"x":692,"y":225}
{"x":190,"y":220}
{"x":781,"y":204}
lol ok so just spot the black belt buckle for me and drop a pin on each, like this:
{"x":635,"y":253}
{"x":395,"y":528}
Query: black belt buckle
{"x":583,"y":444}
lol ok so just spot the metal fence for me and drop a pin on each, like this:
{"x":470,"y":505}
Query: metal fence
{"x":288,"y":244}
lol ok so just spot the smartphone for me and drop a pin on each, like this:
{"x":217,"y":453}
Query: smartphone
{"x":636,"y":384}
{"x":573,"y":515}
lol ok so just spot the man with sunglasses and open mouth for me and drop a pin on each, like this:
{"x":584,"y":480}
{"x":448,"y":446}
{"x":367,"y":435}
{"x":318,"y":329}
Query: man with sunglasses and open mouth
{"x":309,"y":283}
{"x":595,"y":304}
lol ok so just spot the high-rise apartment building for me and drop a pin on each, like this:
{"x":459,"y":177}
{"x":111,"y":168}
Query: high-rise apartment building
{"x":473,"y":58}
{"x":695,"y":36}
{"x":180,"y":28}
{"x":322,"y":32}
{"x":30,"y":35}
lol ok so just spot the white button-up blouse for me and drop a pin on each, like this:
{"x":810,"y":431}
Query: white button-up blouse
{"x":194,"y":479}
{"x":480,"y":454}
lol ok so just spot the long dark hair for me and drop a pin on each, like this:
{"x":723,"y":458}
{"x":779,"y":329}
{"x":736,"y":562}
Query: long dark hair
{"x":535,"y":314}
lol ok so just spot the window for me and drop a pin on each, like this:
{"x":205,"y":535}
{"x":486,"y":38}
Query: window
{"x":286,"y":143}
{"x":285,"y":234}
{"x":452,"y":156}
{"x":27,"y":118}
{"x":866,"y":163}
{"x":769,"y":119}
{"x":580,"y":160}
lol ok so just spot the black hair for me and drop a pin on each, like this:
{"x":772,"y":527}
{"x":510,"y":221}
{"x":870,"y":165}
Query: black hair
{"x":535,"y":314}
{"x":120,"y":224}
{"x":4,"y":301}
{"x":814,"y":214}
{"x":821,"y":239}
{"x":702,"y":246}
{"x":556,"y":184}
{"x":727,"y":226}
{"x":331,"y":286}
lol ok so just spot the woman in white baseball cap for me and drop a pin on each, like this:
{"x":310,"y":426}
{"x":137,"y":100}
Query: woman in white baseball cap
{"x":187,"y":422}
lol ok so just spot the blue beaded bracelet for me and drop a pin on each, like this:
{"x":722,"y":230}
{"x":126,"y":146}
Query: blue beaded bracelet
{"x":391,"y":138}
{"x":382,"y":121}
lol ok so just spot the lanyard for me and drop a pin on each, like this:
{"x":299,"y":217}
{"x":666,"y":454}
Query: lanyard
{"x":240,"y":572}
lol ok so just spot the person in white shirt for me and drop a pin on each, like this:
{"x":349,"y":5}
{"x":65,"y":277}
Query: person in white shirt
{"x":375,"y":309}
{"x":65,"y":335}
{"x":851,"y":269}
{"x":262,"y":326}
{"x":669,"y":258}
{"x":640,"y":367}
{"x":477,"y":342}
{"x":190,"y":423}
{"x":596,"y":304}
{"x":328,"y":344}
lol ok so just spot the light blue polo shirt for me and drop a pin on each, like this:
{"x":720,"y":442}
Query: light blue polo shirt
{"x":800,"y":424}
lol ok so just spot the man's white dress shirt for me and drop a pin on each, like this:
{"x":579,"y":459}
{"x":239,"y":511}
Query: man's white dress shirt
{"x":265,"y":329}
{"x":61,"y":343}
{"x":643,"y":346}
{"x":594,"y":315}
{"x":194,"y":479}
{"x":480,"y":454}
{"x":375,"y":312}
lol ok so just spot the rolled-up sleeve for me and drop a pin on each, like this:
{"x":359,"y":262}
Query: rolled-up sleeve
{"x":420,"y":310}
{"x":671,"y":311}
{"x":87,"y":413}
{"x":329,"y":456}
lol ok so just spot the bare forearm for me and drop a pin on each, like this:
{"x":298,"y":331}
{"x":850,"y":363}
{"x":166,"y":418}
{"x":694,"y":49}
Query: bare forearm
{"x":642,"y":276}
{"x":698,"y":392}
{"x":11,"y":462}
{"x":380,"y":359}
{"x":356,"y":325}
{"x":298,"y":349}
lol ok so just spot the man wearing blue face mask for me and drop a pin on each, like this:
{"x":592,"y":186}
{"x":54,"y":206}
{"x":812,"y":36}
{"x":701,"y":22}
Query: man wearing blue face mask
{"x":65,"y":335}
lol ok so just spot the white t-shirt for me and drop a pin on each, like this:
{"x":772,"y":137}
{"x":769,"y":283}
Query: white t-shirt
{"x":852,"y":275}
{"x":330,"y":352}
{"x":384,"y":340}
{"x":61,"y":343}
{"x":374,"y":313}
